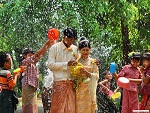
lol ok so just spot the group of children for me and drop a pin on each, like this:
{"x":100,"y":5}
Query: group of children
{"x":137,"y":76}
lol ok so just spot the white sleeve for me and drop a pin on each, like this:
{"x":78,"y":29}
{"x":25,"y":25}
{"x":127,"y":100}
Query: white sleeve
{"x":52,"y":63}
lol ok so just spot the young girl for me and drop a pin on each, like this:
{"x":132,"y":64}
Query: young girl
{"x":105,"y":104}
{"x":145,"y":86}
{"x":7,"y":84}
{"x":86,"y":94}
{"x":132,"y":72}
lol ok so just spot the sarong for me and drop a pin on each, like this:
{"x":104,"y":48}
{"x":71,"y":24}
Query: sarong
{"x":29,"y":100}
{"x":63,"y":97}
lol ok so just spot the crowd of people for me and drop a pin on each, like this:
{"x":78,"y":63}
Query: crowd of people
{"x":70,"y":92}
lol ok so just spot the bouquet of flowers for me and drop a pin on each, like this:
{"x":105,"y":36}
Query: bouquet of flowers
{"x":76,"y":75}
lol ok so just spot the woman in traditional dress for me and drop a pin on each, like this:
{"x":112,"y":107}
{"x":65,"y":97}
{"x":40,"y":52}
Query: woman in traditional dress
{"x":86,"y":90}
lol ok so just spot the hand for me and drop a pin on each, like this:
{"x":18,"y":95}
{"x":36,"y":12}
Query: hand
{"x":97,"y":62}
{"x":72,"y":63}
{"x":50,"y":42}
{"x":18,"y":75}
{"x":84,"y":72}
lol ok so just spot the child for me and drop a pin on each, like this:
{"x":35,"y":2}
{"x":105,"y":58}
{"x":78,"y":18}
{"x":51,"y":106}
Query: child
{"x":7,"y":84}
{"x":105,"y":103}
{"x":145,"y":86}
{"x":30,"y":80}
{"x":47,"y":92}
{"x":86,"y":92}
{"x":130,"y":94}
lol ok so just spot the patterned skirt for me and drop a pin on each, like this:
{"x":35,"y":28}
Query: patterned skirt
{"x":84,"y":102}
{"x":63,"y":97}
{"x":29,"y":100}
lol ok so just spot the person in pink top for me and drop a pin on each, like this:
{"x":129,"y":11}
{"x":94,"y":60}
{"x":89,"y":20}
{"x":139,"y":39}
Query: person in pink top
{"x":145,"y":86}
{"x":105,"y":103}
{"x":132,"y":72}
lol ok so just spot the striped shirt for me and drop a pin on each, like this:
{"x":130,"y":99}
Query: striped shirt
{"x":6,"y":80}
{"x":31,"y":73}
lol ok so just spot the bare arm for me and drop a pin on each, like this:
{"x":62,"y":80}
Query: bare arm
{"x":135,"y":80}
{"x":116,"y":76}
{"x":44,"y":48}
{"x":146,"y":79}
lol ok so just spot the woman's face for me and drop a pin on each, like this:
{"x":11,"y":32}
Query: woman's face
{"x":135,"y":62}
{"x":146,"y":63}
{"x":85,"y":52}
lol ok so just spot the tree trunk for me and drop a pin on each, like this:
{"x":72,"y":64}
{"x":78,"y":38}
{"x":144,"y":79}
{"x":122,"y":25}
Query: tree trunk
{"x":125,"y":42}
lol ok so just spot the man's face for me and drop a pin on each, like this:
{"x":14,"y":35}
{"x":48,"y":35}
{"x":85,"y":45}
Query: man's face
{"x":68,"y":41}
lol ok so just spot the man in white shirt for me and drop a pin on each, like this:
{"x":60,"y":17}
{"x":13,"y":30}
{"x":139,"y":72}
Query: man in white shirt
{"x":61,"y":56}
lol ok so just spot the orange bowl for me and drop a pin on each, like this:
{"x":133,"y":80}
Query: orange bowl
{"x":53,"y":34}
{"x":123,"y":82}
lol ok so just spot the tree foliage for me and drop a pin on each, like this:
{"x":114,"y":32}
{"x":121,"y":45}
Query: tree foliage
{"x":114,"y":27}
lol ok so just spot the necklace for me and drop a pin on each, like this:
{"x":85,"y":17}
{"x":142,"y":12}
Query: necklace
{"x":84,"y":61}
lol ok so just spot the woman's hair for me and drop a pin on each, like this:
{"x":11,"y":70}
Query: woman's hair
{"x":146,"y":56}
{"x":3,"y":59}
{"x":83,"y":42}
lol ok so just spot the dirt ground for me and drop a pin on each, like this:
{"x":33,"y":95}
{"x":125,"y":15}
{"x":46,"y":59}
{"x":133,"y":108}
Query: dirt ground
{"x":40,"y":106}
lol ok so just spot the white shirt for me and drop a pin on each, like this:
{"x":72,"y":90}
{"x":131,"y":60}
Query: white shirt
{"x":59,"y":55}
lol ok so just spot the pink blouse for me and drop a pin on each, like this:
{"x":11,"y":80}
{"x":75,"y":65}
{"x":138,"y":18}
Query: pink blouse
{"x":130,"y":72}
{"x":145,"y":88}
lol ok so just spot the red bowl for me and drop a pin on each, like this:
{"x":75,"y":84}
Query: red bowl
{"x":53,"y":34}
{"x":123,"y":82}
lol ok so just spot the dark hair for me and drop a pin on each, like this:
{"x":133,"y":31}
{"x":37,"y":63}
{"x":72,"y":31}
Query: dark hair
{"x":70,"y":33}
{"x":27,"y":50}
{"x":146,"y":56}
{"x":3,"y":59}
{"x":134,"y":55}
{"x":83,"y":42}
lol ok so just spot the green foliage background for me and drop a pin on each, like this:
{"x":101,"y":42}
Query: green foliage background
{"x":114,"y":27}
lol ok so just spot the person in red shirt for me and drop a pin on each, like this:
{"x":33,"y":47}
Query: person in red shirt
{"x":132,"y":72}
{"x":7,"y":84}
{"x":30,"y":80}
{"x":145,"y":86}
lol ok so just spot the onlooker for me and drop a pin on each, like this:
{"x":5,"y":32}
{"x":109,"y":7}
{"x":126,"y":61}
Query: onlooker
{"x":145,"y":86}
{"x":47,"y":92}
{"x":105,"y":103}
